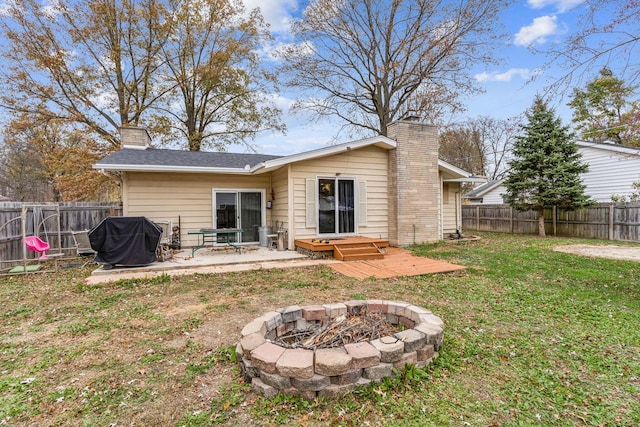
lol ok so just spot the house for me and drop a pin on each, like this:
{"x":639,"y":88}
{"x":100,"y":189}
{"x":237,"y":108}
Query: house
{"x":393,"y":188}
{"x":612,"y":171}
{"x":484,"y":193}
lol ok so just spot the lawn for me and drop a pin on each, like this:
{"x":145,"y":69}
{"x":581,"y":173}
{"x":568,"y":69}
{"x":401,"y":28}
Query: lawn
{"x":532,"y":337}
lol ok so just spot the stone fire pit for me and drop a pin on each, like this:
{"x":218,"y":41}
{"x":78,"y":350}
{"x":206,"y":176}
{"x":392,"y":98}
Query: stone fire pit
{"x":272,"y":368}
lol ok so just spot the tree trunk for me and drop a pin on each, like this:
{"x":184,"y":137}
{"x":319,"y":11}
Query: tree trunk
{"x":541,"y":232}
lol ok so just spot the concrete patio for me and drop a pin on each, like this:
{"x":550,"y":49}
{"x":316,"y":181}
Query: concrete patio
{"x":222,"y":259}
{"x":209,"y":260}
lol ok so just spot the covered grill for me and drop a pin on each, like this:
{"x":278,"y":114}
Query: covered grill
{"x":126,"y":241}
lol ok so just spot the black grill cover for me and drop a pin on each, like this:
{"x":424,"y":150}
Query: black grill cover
{"x":128,"y":241}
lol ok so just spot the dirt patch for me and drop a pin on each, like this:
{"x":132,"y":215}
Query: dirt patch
{"x":631,"y":253}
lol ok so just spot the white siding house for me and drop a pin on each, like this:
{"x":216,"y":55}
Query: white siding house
{"x":612,"y":171}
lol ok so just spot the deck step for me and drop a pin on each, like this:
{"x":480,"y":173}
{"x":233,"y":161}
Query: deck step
{"x":357,"y":252}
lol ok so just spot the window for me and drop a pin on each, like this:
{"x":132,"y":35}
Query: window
{"x":336,"y":206}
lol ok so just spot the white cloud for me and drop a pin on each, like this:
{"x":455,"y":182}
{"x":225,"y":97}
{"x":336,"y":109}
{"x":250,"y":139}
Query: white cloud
{"x":538,"y":31}
{"x":561,"y":5}
{"x":507,"y":76}
{"x":278,"y":13}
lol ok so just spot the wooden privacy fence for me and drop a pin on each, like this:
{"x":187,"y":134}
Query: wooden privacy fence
{"x":41,"y":220}
{"x":608,"y":221}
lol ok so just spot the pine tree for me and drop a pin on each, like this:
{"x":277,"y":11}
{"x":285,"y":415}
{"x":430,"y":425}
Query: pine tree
{"x":546,"y":167}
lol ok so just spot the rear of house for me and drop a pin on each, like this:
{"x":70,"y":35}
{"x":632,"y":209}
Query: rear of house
{"x":390,"y":188}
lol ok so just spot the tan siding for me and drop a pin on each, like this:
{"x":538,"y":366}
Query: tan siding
{"x":167,"y":196}
{"x":366,"y":164}
{"x":449,"y":211}
{"x":279,"y":182}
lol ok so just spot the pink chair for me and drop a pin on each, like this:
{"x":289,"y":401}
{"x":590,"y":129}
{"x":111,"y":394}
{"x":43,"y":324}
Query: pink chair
{"x":34,"y":244}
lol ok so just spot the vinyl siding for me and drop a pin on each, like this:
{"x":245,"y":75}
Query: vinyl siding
{"x":366,"y":164}
{"x":450,"y":210}
{"x":610,"y":173}
{"x":169,"y":196}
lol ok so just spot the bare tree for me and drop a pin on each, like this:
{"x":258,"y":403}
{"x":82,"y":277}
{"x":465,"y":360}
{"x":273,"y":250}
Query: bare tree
{"x":481,"y":145}
{"x":374,"y":61}
{"x":608,"y":35}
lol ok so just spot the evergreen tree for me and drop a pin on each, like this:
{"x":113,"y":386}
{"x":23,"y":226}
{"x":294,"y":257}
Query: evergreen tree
{"x":546,"y":167}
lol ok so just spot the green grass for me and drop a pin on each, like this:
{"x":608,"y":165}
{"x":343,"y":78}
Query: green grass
{"x":532,"y":337}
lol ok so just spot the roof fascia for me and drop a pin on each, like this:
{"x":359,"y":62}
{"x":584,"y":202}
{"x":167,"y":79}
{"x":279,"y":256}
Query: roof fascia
{"x":163,"y":168}
{"x":484,"y":191}
{"x":609,"y":147}
{"x":448,"y":167}
{"x":380,"y":141}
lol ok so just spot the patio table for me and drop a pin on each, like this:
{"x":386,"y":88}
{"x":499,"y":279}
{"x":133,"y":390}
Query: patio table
{"x":216,"y":235}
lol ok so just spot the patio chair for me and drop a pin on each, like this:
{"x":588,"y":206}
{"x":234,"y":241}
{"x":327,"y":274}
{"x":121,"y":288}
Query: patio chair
{"x":82,"y":244}
{"x":163,"y":251}
{"x":273,"y":238}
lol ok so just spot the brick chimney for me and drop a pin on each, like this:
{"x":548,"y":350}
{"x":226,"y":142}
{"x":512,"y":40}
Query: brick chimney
{"x":414,"y":184}
{"x":135,"y":137}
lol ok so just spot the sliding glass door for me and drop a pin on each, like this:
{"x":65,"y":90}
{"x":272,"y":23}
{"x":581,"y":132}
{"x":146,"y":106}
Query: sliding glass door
{"x":239,"y":209}
{"x":336,"y":206}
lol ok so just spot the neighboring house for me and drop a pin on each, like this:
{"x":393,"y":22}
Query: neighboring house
{"x":612,"y":171}
{"x":393,"y":188}
{"x":485,"y":194}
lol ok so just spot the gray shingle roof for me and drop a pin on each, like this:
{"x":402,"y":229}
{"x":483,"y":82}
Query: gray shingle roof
{"x":481,"y":189}
{"x":164,"y":157}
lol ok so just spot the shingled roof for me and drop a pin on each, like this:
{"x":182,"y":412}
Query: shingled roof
{"x":177,"y":158}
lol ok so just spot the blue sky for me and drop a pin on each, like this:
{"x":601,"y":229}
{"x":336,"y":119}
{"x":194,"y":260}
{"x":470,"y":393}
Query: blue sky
{"x":509,"y":89}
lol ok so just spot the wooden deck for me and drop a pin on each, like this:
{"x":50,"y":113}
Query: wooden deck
{"x":397,"y":262}
{"x":330,"y":244}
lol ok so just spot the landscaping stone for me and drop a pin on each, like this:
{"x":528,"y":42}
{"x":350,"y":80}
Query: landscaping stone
{"x":248,"y":371}
{"x":290,"y":313}
{"x":251,"y":342}
{"x":378,"y":372}
{"x":434,"y":333}
{"x":332,"y":361}
{"x":406,"y":322}
{"x":313,"y":312}
{"x":350,"y":377}
{"x":261,"y":388}
{"x":363,"y":355}
{"x":412,"y":339}
{"x":257,"y":326}
{"x":331,"y":372}
{"x":425,"y":353}
{"x":266,"y":356}
{"x":355,"y":306}
{"x":271,"y":319}
{"x":431,"y":318}
{"x":315,"y":383}
{"x":413,"y":312}
{"x":377,"y":306}
{"x":275,"y":380}
{"x":335,"y":390}
{"x":397,"y":307}
{"x":390,"y":348}
{"x":392,"y":318}
{"x":308,"y":394}
{"x":296,"y":363}
{"x":406,"y":359}
{"x":335,"y":310}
